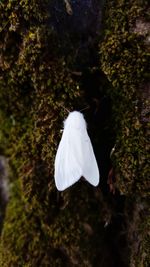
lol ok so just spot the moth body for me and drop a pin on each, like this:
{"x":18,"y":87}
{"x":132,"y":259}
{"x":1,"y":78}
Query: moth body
{"x":75,"y":156}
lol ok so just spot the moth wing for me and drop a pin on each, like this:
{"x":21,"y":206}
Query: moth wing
{"x":89,"y":164}
{"x":75,"y":158}
{"x":67,"y":164}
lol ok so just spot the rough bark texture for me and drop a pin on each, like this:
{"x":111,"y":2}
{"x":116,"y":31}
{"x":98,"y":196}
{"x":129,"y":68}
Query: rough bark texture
{"x":56,"y":54}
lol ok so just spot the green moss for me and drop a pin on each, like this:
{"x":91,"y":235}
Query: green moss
{"x":124,"y":59}
{"x":43,"y":227}
{"x":37,"y":85}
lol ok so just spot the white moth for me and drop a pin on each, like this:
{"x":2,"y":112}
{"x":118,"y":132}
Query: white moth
{"x":75,"y":156}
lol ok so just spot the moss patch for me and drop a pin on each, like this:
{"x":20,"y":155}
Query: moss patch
{"x":124,"y":58}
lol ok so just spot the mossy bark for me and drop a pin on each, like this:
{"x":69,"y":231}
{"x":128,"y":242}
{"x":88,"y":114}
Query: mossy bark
{"x":41,"y":74}
{"x":125,"y":60}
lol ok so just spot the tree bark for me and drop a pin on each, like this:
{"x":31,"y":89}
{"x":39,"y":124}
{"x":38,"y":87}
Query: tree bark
{"x":58,"y":56}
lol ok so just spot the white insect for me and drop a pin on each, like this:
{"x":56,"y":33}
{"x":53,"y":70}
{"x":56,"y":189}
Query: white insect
{"x":75,"y":156}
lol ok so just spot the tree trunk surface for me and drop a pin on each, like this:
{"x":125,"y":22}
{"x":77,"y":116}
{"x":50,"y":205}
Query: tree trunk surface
{"x":60,"y":56}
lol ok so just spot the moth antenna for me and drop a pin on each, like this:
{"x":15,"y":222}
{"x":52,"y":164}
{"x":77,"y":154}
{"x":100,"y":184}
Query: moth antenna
{"x":64,"y":108}
{"x":84,"y":108}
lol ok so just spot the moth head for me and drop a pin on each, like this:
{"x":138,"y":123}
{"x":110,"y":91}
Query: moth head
{"x":75,"y":120}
